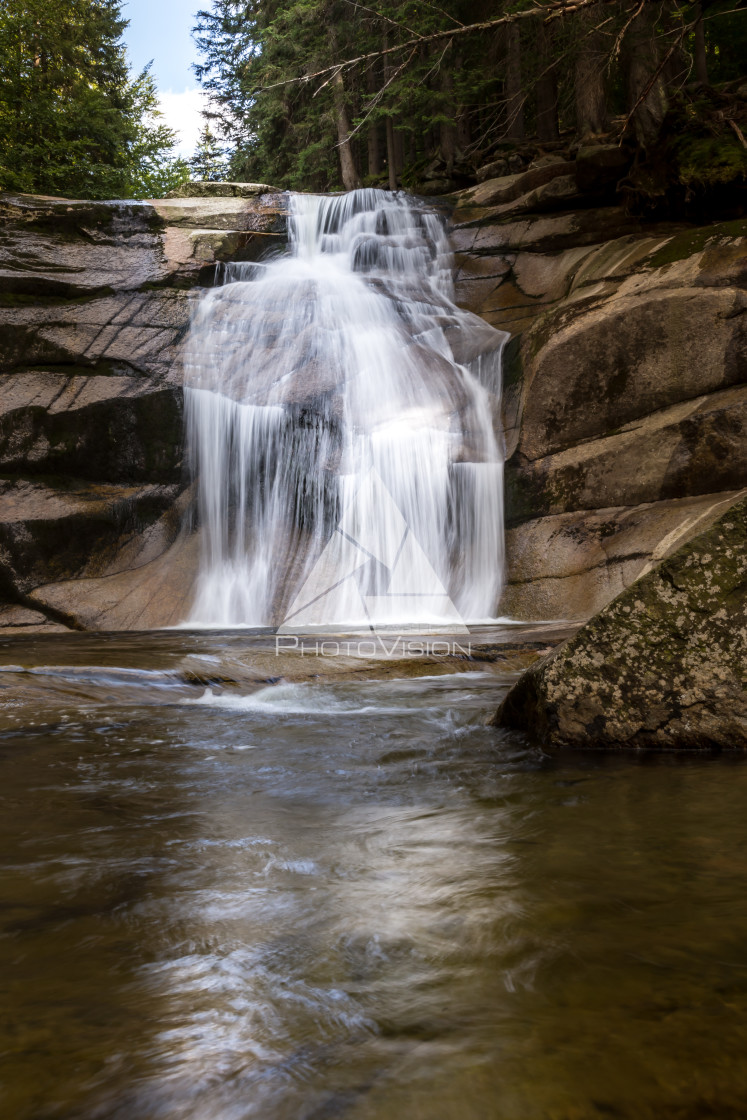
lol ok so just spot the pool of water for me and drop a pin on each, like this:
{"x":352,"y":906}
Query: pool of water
{"x":349,"y":898}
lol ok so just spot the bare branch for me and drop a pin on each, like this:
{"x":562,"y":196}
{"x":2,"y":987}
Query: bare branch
{"x":378,"y":96}
{"x":686,"y":28}
{"x":615,"y":52}
{"x":547,"y":11}
{"x":443,"y":12}
{"x":335,"y":71}
{"x":379,"y":15}
{"x":740,"y":134}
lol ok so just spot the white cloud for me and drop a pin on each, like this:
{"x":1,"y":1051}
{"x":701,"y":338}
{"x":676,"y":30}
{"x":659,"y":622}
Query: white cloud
{"x":183,"y":112}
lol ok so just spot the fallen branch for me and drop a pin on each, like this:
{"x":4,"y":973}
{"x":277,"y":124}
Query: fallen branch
{"x":740,"y":134}
{"x":552,"y":10}
{"x":655,"y":76}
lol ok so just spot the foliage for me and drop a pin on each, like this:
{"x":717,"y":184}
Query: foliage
{"x":72,"y":120}
{"x":209,"y":161}
{"x":448,"y":102}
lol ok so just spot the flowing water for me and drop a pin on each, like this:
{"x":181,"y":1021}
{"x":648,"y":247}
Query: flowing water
{"x":342,"y":415}
{"x":257,"y":877}
{"x":225,"y":899}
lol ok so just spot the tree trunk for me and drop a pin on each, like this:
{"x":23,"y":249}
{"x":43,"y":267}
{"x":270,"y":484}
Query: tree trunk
{"x":350,"y":178}
{"x":374,"y":149}
{"x":701,"y":65}
{"x":591,"y":107}
{"x":643,"y":58}
{"x":514,"y":95}
{"x":547,"y":86}
{"x":391,"y":158}
{"x":391,"y":145}
{"x":448,"y":130}
{"x":399,"y":151}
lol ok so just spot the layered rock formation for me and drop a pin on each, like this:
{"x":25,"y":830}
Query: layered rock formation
{"x":95,"y":301}
{"x":624,"y":394}
{"x":664,"y":665}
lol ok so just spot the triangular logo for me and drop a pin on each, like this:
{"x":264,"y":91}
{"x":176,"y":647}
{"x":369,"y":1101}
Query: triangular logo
{"x":373,"y":575}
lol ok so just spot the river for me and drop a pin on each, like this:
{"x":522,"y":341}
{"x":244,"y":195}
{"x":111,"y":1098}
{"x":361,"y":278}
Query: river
{"x":311,"y":891}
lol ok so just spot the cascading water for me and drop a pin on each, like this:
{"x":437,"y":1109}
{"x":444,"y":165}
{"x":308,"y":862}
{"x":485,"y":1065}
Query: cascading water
{"x":341,"y":417}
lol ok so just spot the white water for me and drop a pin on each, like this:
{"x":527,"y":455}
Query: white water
{"x":340,"y":413}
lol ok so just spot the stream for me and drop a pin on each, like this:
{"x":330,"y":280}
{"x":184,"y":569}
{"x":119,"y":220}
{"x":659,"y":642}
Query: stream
{"x":235,"y":885}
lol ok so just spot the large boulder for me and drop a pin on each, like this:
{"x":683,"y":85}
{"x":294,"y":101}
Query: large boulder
{"x":696,"y":447}
{"x":663,"y":665}
{"x":624,"y":387}
{"x":570,"y":565}
{"x":629,"y":356}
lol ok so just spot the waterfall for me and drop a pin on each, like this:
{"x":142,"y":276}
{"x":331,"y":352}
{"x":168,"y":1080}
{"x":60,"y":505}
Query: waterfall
{"x":341,"y":427}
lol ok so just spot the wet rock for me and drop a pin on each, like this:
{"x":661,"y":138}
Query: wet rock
{"x":113,"y":425}
{"x":16,"y":620}
{"x":72,"y":528}
{"x":495,"y":170}
{"x":148,"y":595}
{"x":623,"y":386}
{"x":67,"y":249}
{"x":601,"y":166}
{"x":570,"y":565}
{"x":143,"y":329}
{"x":205,"y":188}
{"x":496,"y":192}
{"x":663,"y":665}
{"x":96,"y":303}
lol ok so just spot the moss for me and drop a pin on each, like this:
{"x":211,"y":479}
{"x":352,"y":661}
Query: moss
{"x":706,"y":161}
{"x":684,"y":245}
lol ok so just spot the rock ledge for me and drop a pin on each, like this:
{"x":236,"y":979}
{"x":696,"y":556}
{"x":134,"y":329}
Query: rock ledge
{"x":205,"y":188}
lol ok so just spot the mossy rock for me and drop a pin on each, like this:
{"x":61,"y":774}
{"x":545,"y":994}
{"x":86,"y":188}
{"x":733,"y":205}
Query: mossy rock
{"x":664,"y":665}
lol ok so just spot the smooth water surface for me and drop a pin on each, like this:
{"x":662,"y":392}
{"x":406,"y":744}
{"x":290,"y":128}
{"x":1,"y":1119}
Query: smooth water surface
{"x":352,"y":899}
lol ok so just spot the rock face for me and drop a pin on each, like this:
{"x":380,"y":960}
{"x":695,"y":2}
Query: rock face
{"x":625,"y":381}
{"x":95,"y":302}
{"x":624,"y":405}
{"x":663,"y":665}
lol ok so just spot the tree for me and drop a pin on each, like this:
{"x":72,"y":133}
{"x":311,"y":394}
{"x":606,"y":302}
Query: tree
{"x":208,"y":163}
{"x":72,"y":120}
{"x":307,"y":89}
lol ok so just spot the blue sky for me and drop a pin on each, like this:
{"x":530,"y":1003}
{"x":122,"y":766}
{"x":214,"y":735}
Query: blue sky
{"x":161,"y":30}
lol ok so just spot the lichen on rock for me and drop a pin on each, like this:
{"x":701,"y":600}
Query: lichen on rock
{"x":663,"y":665}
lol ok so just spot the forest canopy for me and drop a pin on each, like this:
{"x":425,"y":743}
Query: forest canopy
{"x":324,"y":94}
{"x":73,"y":121}
{"x":318,"y":94}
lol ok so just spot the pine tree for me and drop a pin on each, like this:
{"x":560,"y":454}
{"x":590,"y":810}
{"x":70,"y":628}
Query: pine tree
{"x":319,"y":94}
{"x":72,"y":120}
{"x":208,"y":163}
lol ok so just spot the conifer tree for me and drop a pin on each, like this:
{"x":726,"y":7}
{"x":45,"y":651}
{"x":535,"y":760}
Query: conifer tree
{"x":208,"y":163}
{"x":72,"y":120}
{"x":319,"y":94}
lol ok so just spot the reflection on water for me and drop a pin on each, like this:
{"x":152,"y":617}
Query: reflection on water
{"x":352,"y":899}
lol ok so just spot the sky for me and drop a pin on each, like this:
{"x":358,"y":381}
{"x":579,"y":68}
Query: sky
{"x":161,"y":30}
